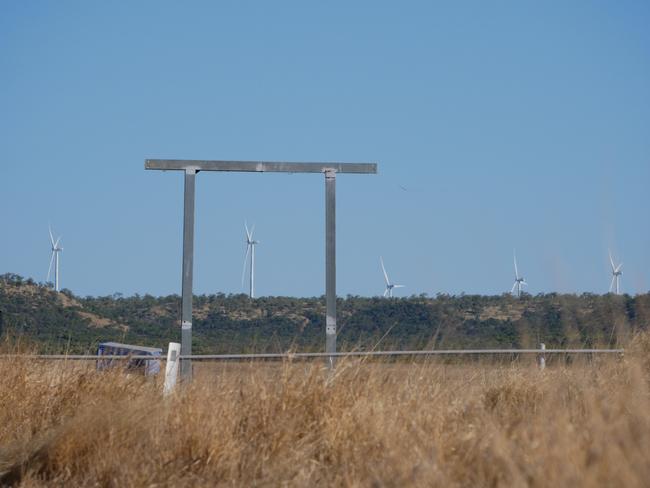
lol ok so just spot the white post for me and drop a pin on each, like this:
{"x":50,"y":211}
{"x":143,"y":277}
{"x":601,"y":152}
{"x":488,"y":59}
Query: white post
{"x":171,"y":368}
{"x":542,"y":358}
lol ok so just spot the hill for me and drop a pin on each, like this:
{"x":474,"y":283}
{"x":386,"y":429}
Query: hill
{"x":58,"y":322}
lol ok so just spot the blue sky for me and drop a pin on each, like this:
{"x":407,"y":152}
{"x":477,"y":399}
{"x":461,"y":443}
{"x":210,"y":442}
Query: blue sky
{"x":496,"y":125}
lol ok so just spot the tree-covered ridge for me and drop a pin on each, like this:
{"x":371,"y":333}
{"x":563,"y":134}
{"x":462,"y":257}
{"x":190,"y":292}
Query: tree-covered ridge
{"x":59,"y":322}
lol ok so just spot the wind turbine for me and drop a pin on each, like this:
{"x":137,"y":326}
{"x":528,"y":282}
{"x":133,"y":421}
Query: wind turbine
{"x":389,"y":285}
{"x":616,"y":275}
{"x":56,"y":249}
{"x":519,"y":280}
{"x":250,"y":248}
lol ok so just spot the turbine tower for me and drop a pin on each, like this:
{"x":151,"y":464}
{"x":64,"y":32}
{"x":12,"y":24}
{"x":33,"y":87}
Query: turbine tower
{"x":389,"y":285}
{"x":519,"y":280}
{"x":250,"y":249}
{"x":616,"y":275}
{"x":54,"y":258}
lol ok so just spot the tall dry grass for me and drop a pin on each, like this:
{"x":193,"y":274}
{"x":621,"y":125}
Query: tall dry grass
{"x":371,"y":424}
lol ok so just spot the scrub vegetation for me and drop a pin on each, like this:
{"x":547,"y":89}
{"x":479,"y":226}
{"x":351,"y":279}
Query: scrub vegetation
{"x":371,"y":423}
{"x":63,"y":322}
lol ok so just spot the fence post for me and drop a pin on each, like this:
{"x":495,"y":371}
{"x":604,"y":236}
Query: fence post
{"x":542,"y":357}
{"x":171,"y":368}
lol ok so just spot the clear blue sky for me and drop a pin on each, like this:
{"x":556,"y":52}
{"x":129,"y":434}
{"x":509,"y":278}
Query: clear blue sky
{"x":510,"y":124}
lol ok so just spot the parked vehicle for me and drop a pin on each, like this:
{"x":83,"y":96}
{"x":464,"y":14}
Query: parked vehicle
{"x":148,"y":367}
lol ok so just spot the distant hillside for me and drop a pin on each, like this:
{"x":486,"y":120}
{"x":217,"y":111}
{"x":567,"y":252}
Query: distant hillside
{"x":58,"y":322}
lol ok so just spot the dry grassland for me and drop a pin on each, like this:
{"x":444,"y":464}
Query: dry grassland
{"x":424,"y":423}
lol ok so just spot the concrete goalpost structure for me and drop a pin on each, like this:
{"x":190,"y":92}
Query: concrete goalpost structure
{"x":192,"y":167}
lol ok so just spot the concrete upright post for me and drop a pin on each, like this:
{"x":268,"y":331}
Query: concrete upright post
{"x":171,"y":368}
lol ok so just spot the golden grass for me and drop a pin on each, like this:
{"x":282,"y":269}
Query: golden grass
{"x":372,"y":424}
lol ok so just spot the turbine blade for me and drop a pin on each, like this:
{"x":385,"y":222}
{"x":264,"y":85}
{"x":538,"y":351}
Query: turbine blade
{"x":618,"y":269}
{"x":513,"y":287}
{"x":49,"y":270}
{"x":252,"y":230}
{"x":399,"y":286}
{"x":383,"y":268}
{"x":516,"y":271}
{"x":56,"y":244}
{"x":248,"y":234}
{"x":611,"y":285}
{"x":386,"y":292}
{"x":612,"y":261}
{"x":51,"y":236}
{"x":243,"y":271}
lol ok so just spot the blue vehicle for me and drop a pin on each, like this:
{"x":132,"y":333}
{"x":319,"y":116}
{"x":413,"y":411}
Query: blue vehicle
{"x":147,"y":366}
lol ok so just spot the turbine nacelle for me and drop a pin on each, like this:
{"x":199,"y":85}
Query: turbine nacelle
{"x":249,"y":235}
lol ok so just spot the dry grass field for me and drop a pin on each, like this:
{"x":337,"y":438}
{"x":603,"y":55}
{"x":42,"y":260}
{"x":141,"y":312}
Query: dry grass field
{"x":423,"y":423}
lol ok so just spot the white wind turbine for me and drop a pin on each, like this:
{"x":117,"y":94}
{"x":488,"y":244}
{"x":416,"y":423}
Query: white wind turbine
{"x":250,"y":248}
{"x":56,"y":249}
{"x":519,"y":280}
{"x":616,"y":275}
{"x":389,"y":285}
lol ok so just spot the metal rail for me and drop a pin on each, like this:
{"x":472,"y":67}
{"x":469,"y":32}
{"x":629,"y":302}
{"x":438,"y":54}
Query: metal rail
{"x":441,"y":352}
{"x":259,"y":166}
{"x":305,"y":355}
{"x":78,"y":357}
